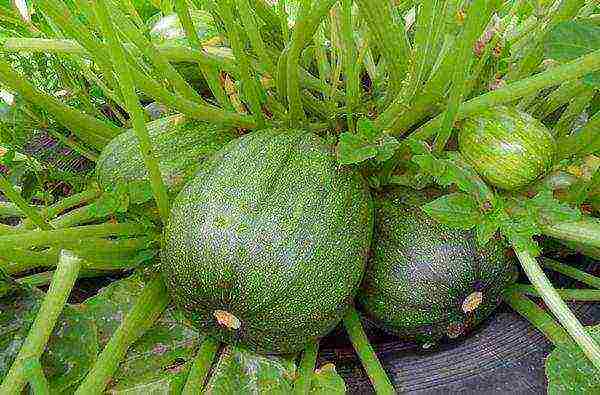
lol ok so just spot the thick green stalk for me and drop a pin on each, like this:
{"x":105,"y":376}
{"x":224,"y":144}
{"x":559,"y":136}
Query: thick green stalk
{"x":31,"y":213}
{"x":8,"y":209}
{"x":63,"y":205}
{"x":306,"y":370}
{"x":478,"y":15}
{"x":570,"y":71}
{"x":162,"y":65}
{"x":211,"y":74}
{"x":363,"y":348}
{"x":586,"y":231}
{"x":201,"y":366}
{"x":119,"y":57}
{"x":558,"y":307}
{"x":35,"y":376}
{"x":572,"y":272}
{"x":73,"y":235}
{"x":148,"y":307}
{"x":389,"y":37}
{"x":88,"y":129}
{"x":352,"y":68}
{"x":78,"y":216}
{"x":52,"y":305}
{"x":251,"y":29}
{"x":575,"y":108}
{"x":306,"y":25}
{"x":44,"y":278}
{"x":586,"y":141}
{"x":250,"y":86}
{"x":538,"y":318}
{"x":578,"y":295}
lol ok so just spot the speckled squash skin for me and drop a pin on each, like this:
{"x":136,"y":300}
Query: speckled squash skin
{"x":273,"y":234}
{"x":181,"y":145}
{"x":426,"y":280}
{"x":507,"y":147}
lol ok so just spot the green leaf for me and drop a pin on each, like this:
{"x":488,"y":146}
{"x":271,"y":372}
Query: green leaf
{"x":570,"y":372}
{"x":327,"y":381}
{"x":547,"y":210}
{"x":353,"y":149}
{"x":367,"y":143}
{"x":386,"y":147}
{"x":239,"y":371}
{"x":140,"y":192}
{"x":72,"y":347}
{"x":592,"y":80}
{"x":485,"y":230}
{"x":157,"y":362}
{"x":570,"y":40}
{"x":458,"y":210}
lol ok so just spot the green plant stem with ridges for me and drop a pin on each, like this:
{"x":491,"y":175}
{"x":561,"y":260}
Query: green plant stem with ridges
{"x":45,"y":320}
{"x":250,"y":86}
{"x":538,"y":318}
{"x":88,"y":129}
{"x":306,"y":370}
{"x":119,"y":57}
{"x":478,"y":15}
{"x":146,"y":310}
{"x":352,"y":68}
{"x":557,"y":98}
{"x":52,"y":237}
{"x":572,"y":70}
{"x":64,"y":205}
{"x":78,"y":216}
{"x":586,"y":231}
{"x":389,"y":38}
{"x":575,"y":108}
{"x":251,"y":29}
{"x":572,"y":272}
{"x":577,"y":295}
{"x":59,"y":13}
{"x":44,"y":278}
{"x":162,"y":65}
{"x":201,"y":366}
{"x":14,"y":196}
{"x":210,"y":74}
{"x":558,"y":307}
{"x":35,"y":376}
{"x":363,"y":348}
{"x":582,"y":143}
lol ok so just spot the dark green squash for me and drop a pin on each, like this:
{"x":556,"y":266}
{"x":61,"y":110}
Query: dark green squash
{"x":266,"y":247}
{"x":181,"y":145}
{"x":424,"y":279}
{"x":507,"y":147}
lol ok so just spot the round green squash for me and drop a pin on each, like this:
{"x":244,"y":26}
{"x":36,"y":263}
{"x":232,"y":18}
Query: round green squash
{"x":180,"y":144}
{"x":267,"y":245}
{"x":426,"y":280}
{"x":507,"y":147}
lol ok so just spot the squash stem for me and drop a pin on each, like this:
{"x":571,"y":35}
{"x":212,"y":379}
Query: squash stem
{"x":363,"y":348}
{"x":537,"y":317}
{"x":119,"y":58}
{"x":527,"y":86}
{"x":45,"y":320}
{"x":579,"y":295}
{"x":558,"y":307}
{"x":32,"y":214}
{"x":35,"y":376}
{"x":572,"y":272}
{"x":201,"y":366}
{"x":71,"y":235}
{"x":302,"y":385}
{"x":210,"y":74}
{"x":585,"y":231}
{"x":148,"y":307}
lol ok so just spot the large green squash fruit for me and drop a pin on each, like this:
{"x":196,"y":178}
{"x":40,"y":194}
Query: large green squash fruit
{"x":426,"y":280}
{"x":267,"y":245}
{"x":180,"y":144}
{"x":507,"y":147}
